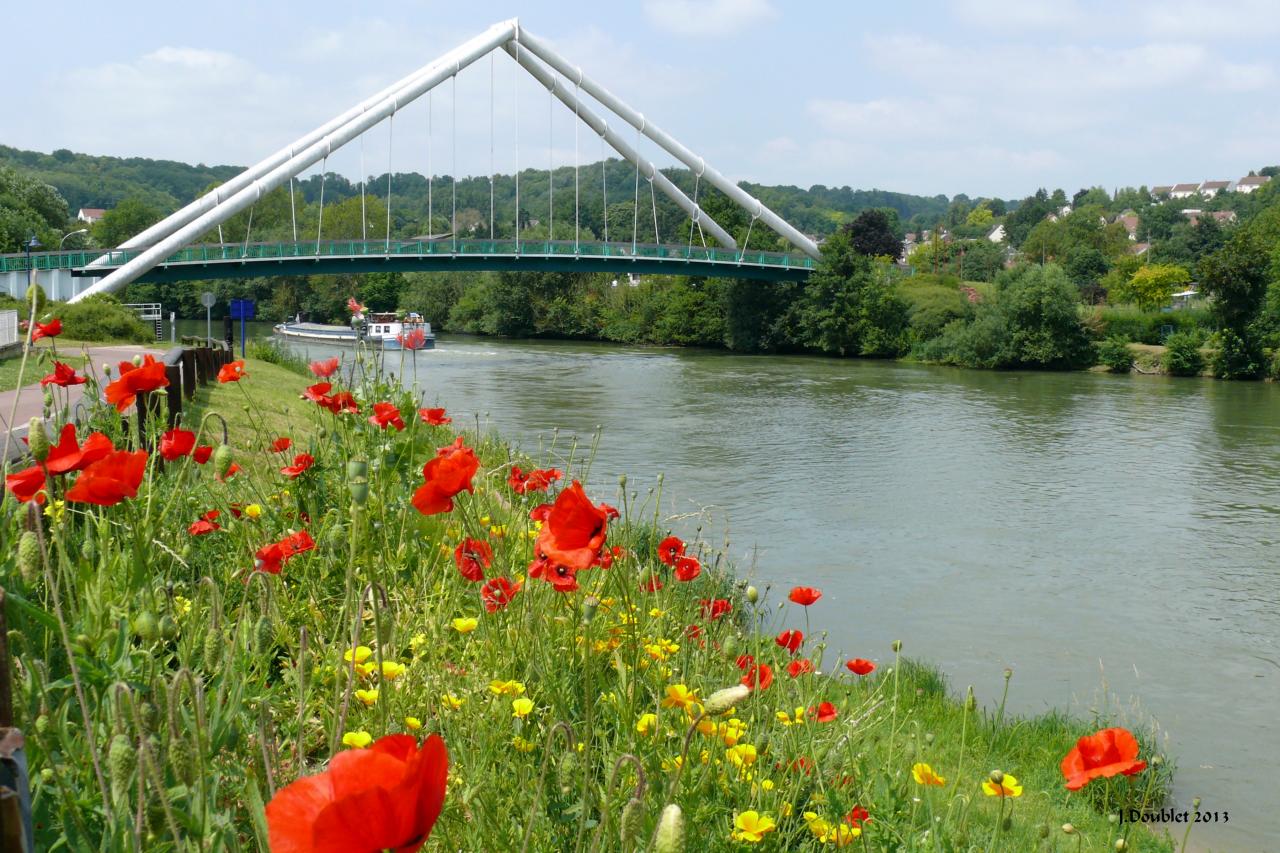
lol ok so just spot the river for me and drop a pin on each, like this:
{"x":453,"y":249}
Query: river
{"x":1114,"y":540}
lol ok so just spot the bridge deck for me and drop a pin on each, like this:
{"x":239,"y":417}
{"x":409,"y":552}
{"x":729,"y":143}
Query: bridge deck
{"x":226,"y":260}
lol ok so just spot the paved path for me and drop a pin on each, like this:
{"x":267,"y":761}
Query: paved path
{"x":30,"y":398}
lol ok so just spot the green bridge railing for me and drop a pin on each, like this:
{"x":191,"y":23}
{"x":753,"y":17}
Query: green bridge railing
{"x":221,"y":252}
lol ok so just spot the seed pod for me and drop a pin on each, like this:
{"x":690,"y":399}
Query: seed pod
{"x":753,"y":594}
{"x":89,"y":549}
{"x":631,"y":822}
{"x":222,"y":460}
{"x":358,"y":481}
{"x":180,"y":757}
{"x":29,"y":557}
{"x":897,"y":645}
{"x":263,"y":636}
{"x":730,"y":646}
{"x":670,"y":835}
{"x":212,"y":651}
{"x":38,"y":439}
{"x":121,"y":759}
{"x":723,"y":700}
{"x":589,"y":606}
{"x":42,"y":724}
{"x":47,"y":776}
{"x":970,"y":702}
{"x":1007,"y":823}
{"x":146,"y":627}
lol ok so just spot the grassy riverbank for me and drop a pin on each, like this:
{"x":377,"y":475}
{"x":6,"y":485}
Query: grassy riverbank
{"x":208,"y":687}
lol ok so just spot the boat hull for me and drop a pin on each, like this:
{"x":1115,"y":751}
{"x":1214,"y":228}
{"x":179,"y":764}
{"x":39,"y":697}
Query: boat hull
{"x":316,"y":333}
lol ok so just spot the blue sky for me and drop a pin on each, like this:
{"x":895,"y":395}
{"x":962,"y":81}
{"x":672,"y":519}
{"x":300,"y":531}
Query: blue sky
{"x":985,"y":97}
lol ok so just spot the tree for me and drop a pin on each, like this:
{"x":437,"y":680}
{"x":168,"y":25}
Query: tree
{"x":1031,"y":211}
{"x":1153,"y":285}
{"x":129,"y":217}
{"x":1084,"y":265}
{"x":980,"y":216}
{"x":872,"y":235}
{"x":849,"y":306}
{"x":1235,"y":277}
{"x":1040,"y":306}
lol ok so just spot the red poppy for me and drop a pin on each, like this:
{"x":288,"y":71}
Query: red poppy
{"x":413,"y":339}
{"x":385,"y":415}
{"x":231,"y":472}
{"x":857,"y":816}
{"x":1103,"y":754}
{"x":202,"y":453}
{"x":47,"y":330}
{"x":67,"y":456}
{"x":805,"y":595}
{"x":446,"y":475}
{"x":324,"y":369}
{"x":281,"y":444}
{"x":434,"y":417}
{"x":26,"y":484}
{"x":318,"y":393}
{"x":206,"y":524}
{"x":538,"y":480}
{"x":653,"y":584}
{"x":714,"y":608}
{"x":385,"y":797}
{"x":177,"y":443}
{"x":473,"y":556}
{"x":670,"y":549}
{"x":571,"y":538}
{"x":759,"y":677}
{"x":232,"y":372}
{"x":497,"y":593}
{"x":343,"y":403}
{"x":355,"y":307}
{"x":860,"y":666}
{"x":270,"y":558}
{"x":63,"y":375}
{"x":301,"y":463}
{"x":687,"y":568}
{"x":803,"y":764}
{"x":134,"y":381}
{"x":745,"y":662}
{"x":111,"y":479}
{"x":824,"y":713}
{"x":790,"y":640}
{"x":694,"y":632}
{"x":799,"y":667}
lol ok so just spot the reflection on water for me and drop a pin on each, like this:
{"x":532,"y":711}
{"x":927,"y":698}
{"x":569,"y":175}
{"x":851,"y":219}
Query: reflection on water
{"x":1075,"y":527}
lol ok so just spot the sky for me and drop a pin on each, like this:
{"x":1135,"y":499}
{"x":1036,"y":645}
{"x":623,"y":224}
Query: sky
{"x":984,"y":97}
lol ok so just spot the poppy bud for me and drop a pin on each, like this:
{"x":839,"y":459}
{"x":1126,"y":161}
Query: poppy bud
{"x":1195,"y":804}
{"x":1007,"y":823}
{"x":1121,"y":845}
{"x":730,"y":646}
{"x":149,"y":715}
{"x":38,"y":439}
{"x":1069,"y":828}
{"x":121,"y":759}
{"x":146,"y":627}
{"x":928,"y":737}
{"x":180,"y":757}
{"x":897,"y":645}
{"x":48,"y":398}
{"x":89,"y":550}
{"x":263,"y":635}
{"x":47,"y":776}
{"x":670,"y":835}
{"x":42,"y":724}
{"x":212,"y":650}
{"x":358,"y":481}
{"x":168,"y":627}
{"x":631,"y":822}
{"x":589,"y":606}
{"x":729,"y":697}
{"x":753,"y":594}
{"x":222,"y":460}
{"x":1113,"y":818}
{"x":106,"y":368}
{"x":1008,"y":673}
{"x":29,"y":557}
{"x":137,"y":361}
{"x":997,"y":777}
{"x":1157,"y":760}
{"x":622,"y":481}
{"x":970,"y":703}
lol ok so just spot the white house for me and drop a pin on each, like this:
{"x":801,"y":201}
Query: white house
{"x":90,"y":215}
{"x":1251,"y":183}
{"x":997,"y":234}
{"x":1211,"y":188}
{"x":1184,"y":190}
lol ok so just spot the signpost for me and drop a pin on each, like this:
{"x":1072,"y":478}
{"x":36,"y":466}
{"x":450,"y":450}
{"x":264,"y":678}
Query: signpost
{"x":207,"y":299}
{"x":242,"y":309}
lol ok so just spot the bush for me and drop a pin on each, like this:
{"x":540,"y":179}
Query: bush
{"x":932,"y":307}
{"x":1115,"y":354}
{"x":101,"y":318}
{"x":1182,"y":355}
{"x":1151,"y":327}
{"x":1237,"y":357}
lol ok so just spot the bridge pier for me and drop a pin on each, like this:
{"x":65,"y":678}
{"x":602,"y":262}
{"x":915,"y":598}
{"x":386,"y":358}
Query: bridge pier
{"x":59,"y":284}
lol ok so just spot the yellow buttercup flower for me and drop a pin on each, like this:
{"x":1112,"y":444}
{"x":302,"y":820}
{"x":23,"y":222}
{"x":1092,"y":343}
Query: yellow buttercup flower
{"x":506,"y":688}
{"x":521,"y":707}
{"x":707,"y":726}
{"x":671,"y":764}
{"x":742,"y":755}
{"x":391,"y":670}
{"x":924,"y":775}
{"x":767,"y":784}
{"x":498,"y":531}
{"x":522,"y":745}
{"x":817,"y":825}
{"x":841,"y":835}
{"x":357,"y":740}
{"x":732,"y":731}
{"x":752,"y":827}
{"x":362,"y":654}
{"x":412,"y":723}
{"x":55,"y":510}
{"x":465,"y":624}
{"x":368,"y":698}
{"x":181,"y":606}
{"x":253,"y":511}
{"x":452,"y":702}
{"x":791,"y":719}
{"x":417,"y":642}
{"x":647,"y":723}
{"x":1008,"y":786}
{"x":679,"y":696}
{"x":655,"y":613}
{"x":484,"y":519}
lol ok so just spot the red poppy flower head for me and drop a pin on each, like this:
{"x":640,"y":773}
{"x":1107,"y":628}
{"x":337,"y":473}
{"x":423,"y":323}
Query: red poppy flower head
{"x":1103,"y":754}
{"x":177,"y":443}
{"x":46,"y":330}
{"x":791,"y":640}
{"x":271,"y":558}
{"x":687,"y":567}
{"x":111,"y":479}
{"x":745,"y":662}
{"x":799,"y":667}
{"x":134,"y":380}
{"x":497,"y":593}
{"x":318,"y":393}
{"x":573,"y":533}
{"x":301,"y":463}
{"x":472,"y":557}
{"x":324,"y":369}
{"x":206,"y":524}
{"x":651,"y":584}
{"x":67,"y":456}
{"x":385,"y":797}
{"x":860,"y":666}
{"x":714,"y":608}
{"x":385,"y":415}
{"x":825,"y":712}
{"x":759,"y":677}
{"x":281,"y":444}
{"x":63,"y":375}
{"x":434,"y":417}
{"x":202,"y":453}
{"x":670,"y":550}
{"x":27,"y":484}
{"x":805,"y":595}
{"x":355,"y":307}
{"x":538,"y":480}
{"x":857,"y":816}
{"x":448,"y":474}
{"x":232,"y":372}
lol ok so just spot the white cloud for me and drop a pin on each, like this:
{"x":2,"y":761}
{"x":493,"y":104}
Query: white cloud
{"x":706,"y":18}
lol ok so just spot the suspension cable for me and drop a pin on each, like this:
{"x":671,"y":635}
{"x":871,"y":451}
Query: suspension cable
{"x":551,"y":168}
{"x":248,"y":230}
{"x":577,"y":120}
{"x":391,"y":136}
{"x":635,"y":203}
{"x":293,"y":211}
{"x":364,"y":215}
{"x":324,"y":168}
{"x":453,"y":181}
{"x":516,"y":92}
{"x":431,"y":138}
{"x":747,"y":241}
{"x":653,"y":199}
{"x":492,"y":171}
{"x":604,"y":191}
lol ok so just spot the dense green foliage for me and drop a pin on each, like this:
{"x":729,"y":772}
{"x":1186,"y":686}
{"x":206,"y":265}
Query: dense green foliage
{"x":101,"y":318}
{"x":1182,"y":356}
{"x":1115,"y":355}
{"x":28,"y":207}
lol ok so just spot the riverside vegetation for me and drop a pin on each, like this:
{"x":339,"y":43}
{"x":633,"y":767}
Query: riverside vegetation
{"x":275,"y":626}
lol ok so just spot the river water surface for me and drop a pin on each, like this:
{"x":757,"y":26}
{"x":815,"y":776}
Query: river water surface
{"x":1114,"y":540}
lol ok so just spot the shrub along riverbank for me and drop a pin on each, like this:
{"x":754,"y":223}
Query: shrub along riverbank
{"x":195,"y":628}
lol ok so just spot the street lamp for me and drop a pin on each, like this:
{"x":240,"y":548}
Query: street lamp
{"x":71,"y":234}
{"x":30,"y":246}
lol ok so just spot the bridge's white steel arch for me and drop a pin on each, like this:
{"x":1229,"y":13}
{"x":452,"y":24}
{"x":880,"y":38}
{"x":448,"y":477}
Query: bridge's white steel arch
{"x":184,"y":227}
